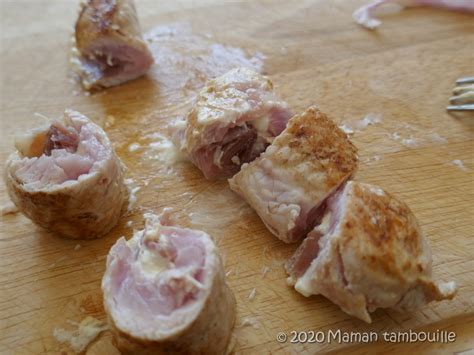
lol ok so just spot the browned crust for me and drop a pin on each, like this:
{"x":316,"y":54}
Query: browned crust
{"x":393,"y":245}
{"x":86,"y":210}
{"x":209,"y":333}
{"x":319,"y":141}
{"x":111,"y":18}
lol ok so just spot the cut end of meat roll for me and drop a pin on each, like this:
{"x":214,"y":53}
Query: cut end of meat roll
{"x":109,"y":48}
{"x":165,"y":291}
{"x":66,"y":177}
{"x":288,"y":184}
{"x":234,"y":119}
{"x":368,"y":253}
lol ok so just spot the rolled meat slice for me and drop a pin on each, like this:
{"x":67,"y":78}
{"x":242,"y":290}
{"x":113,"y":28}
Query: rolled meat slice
{"x":235,"y":117}
{"x":288,"y":184}
{"x":109,"y":48}
{"x":66,"y":177}
{"x":368,"y":253}
{"x":165,"y":292}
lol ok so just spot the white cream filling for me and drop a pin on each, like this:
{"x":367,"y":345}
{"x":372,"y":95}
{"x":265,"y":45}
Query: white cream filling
{"x":323,"y":228}
{"x":261,"y":124}
{"x":151,"y":263}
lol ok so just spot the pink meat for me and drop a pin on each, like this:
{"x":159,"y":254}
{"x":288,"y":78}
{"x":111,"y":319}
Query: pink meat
{"x":112,"y":64}
{"x":66,"y":178}
{"x":235,"y":118}
{"x":61,"y":137}
{"x":70,"y":150}
{"x":165,"y":292}
{"x":185,"y":256}
{"x":109,"y":48}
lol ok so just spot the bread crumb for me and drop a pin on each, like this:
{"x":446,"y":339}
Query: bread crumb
{"x":77,"y":247}
{"x":79,"y":339}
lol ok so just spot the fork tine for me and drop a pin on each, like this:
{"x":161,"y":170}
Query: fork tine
{"x":453,"y":108}
{"x":466,"y":80}
{"x":464,"y":98}
{"x":458,"y":90}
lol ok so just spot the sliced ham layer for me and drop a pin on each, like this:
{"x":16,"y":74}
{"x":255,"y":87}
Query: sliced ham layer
{"x":235,"y":117}
{"x":109,"y":46}
{"x":288,"y":184}
{"x":164,"y":289}
{"x":368,"y":253}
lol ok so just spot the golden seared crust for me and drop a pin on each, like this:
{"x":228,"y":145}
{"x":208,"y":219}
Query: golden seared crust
{"x":382,"y":231}
{"x":209,"y":333}
{"x":111,"y":18}
{"x":316,"y":142}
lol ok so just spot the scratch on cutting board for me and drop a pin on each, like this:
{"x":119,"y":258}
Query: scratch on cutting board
{"x":253,"y":294}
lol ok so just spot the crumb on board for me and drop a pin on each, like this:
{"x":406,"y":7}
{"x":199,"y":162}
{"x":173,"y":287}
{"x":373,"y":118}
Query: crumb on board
{"x":129,"y":224}
{"x":132,"y":190}
{"x":460,"y":164}
{"x":410,"y":142}
{"x":77,"y":247}
{"x":86,"y":332}
{"x":370,"y":119}
{"x":134,"y":147}
{"x":228,"y":273}
{"x":252,"y":294}
{"x":347,"y":130}
{"x":9,"y":208}
{"x":250,"y":322}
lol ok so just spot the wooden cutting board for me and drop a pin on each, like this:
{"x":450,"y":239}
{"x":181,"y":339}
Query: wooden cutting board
{"x":402,"y":74}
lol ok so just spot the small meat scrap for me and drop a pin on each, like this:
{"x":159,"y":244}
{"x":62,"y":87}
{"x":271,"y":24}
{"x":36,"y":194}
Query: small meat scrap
{"x":234,"y":119}
{"x":288,"y":184}
{"x":109,"y":48}
{"x":165,"y":291}
{"x":368,"y":253}
{"x":366,"y":15}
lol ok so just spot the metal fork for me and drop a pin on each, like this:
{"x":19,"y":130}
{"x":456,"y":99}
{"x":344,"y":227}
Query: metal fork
{"x":463,"y":99}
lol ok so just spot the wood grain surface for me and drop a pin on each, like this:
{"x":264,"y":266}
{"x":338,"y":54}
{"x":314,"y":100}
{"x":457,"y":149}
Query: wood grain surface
{"x":404,"y":73}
